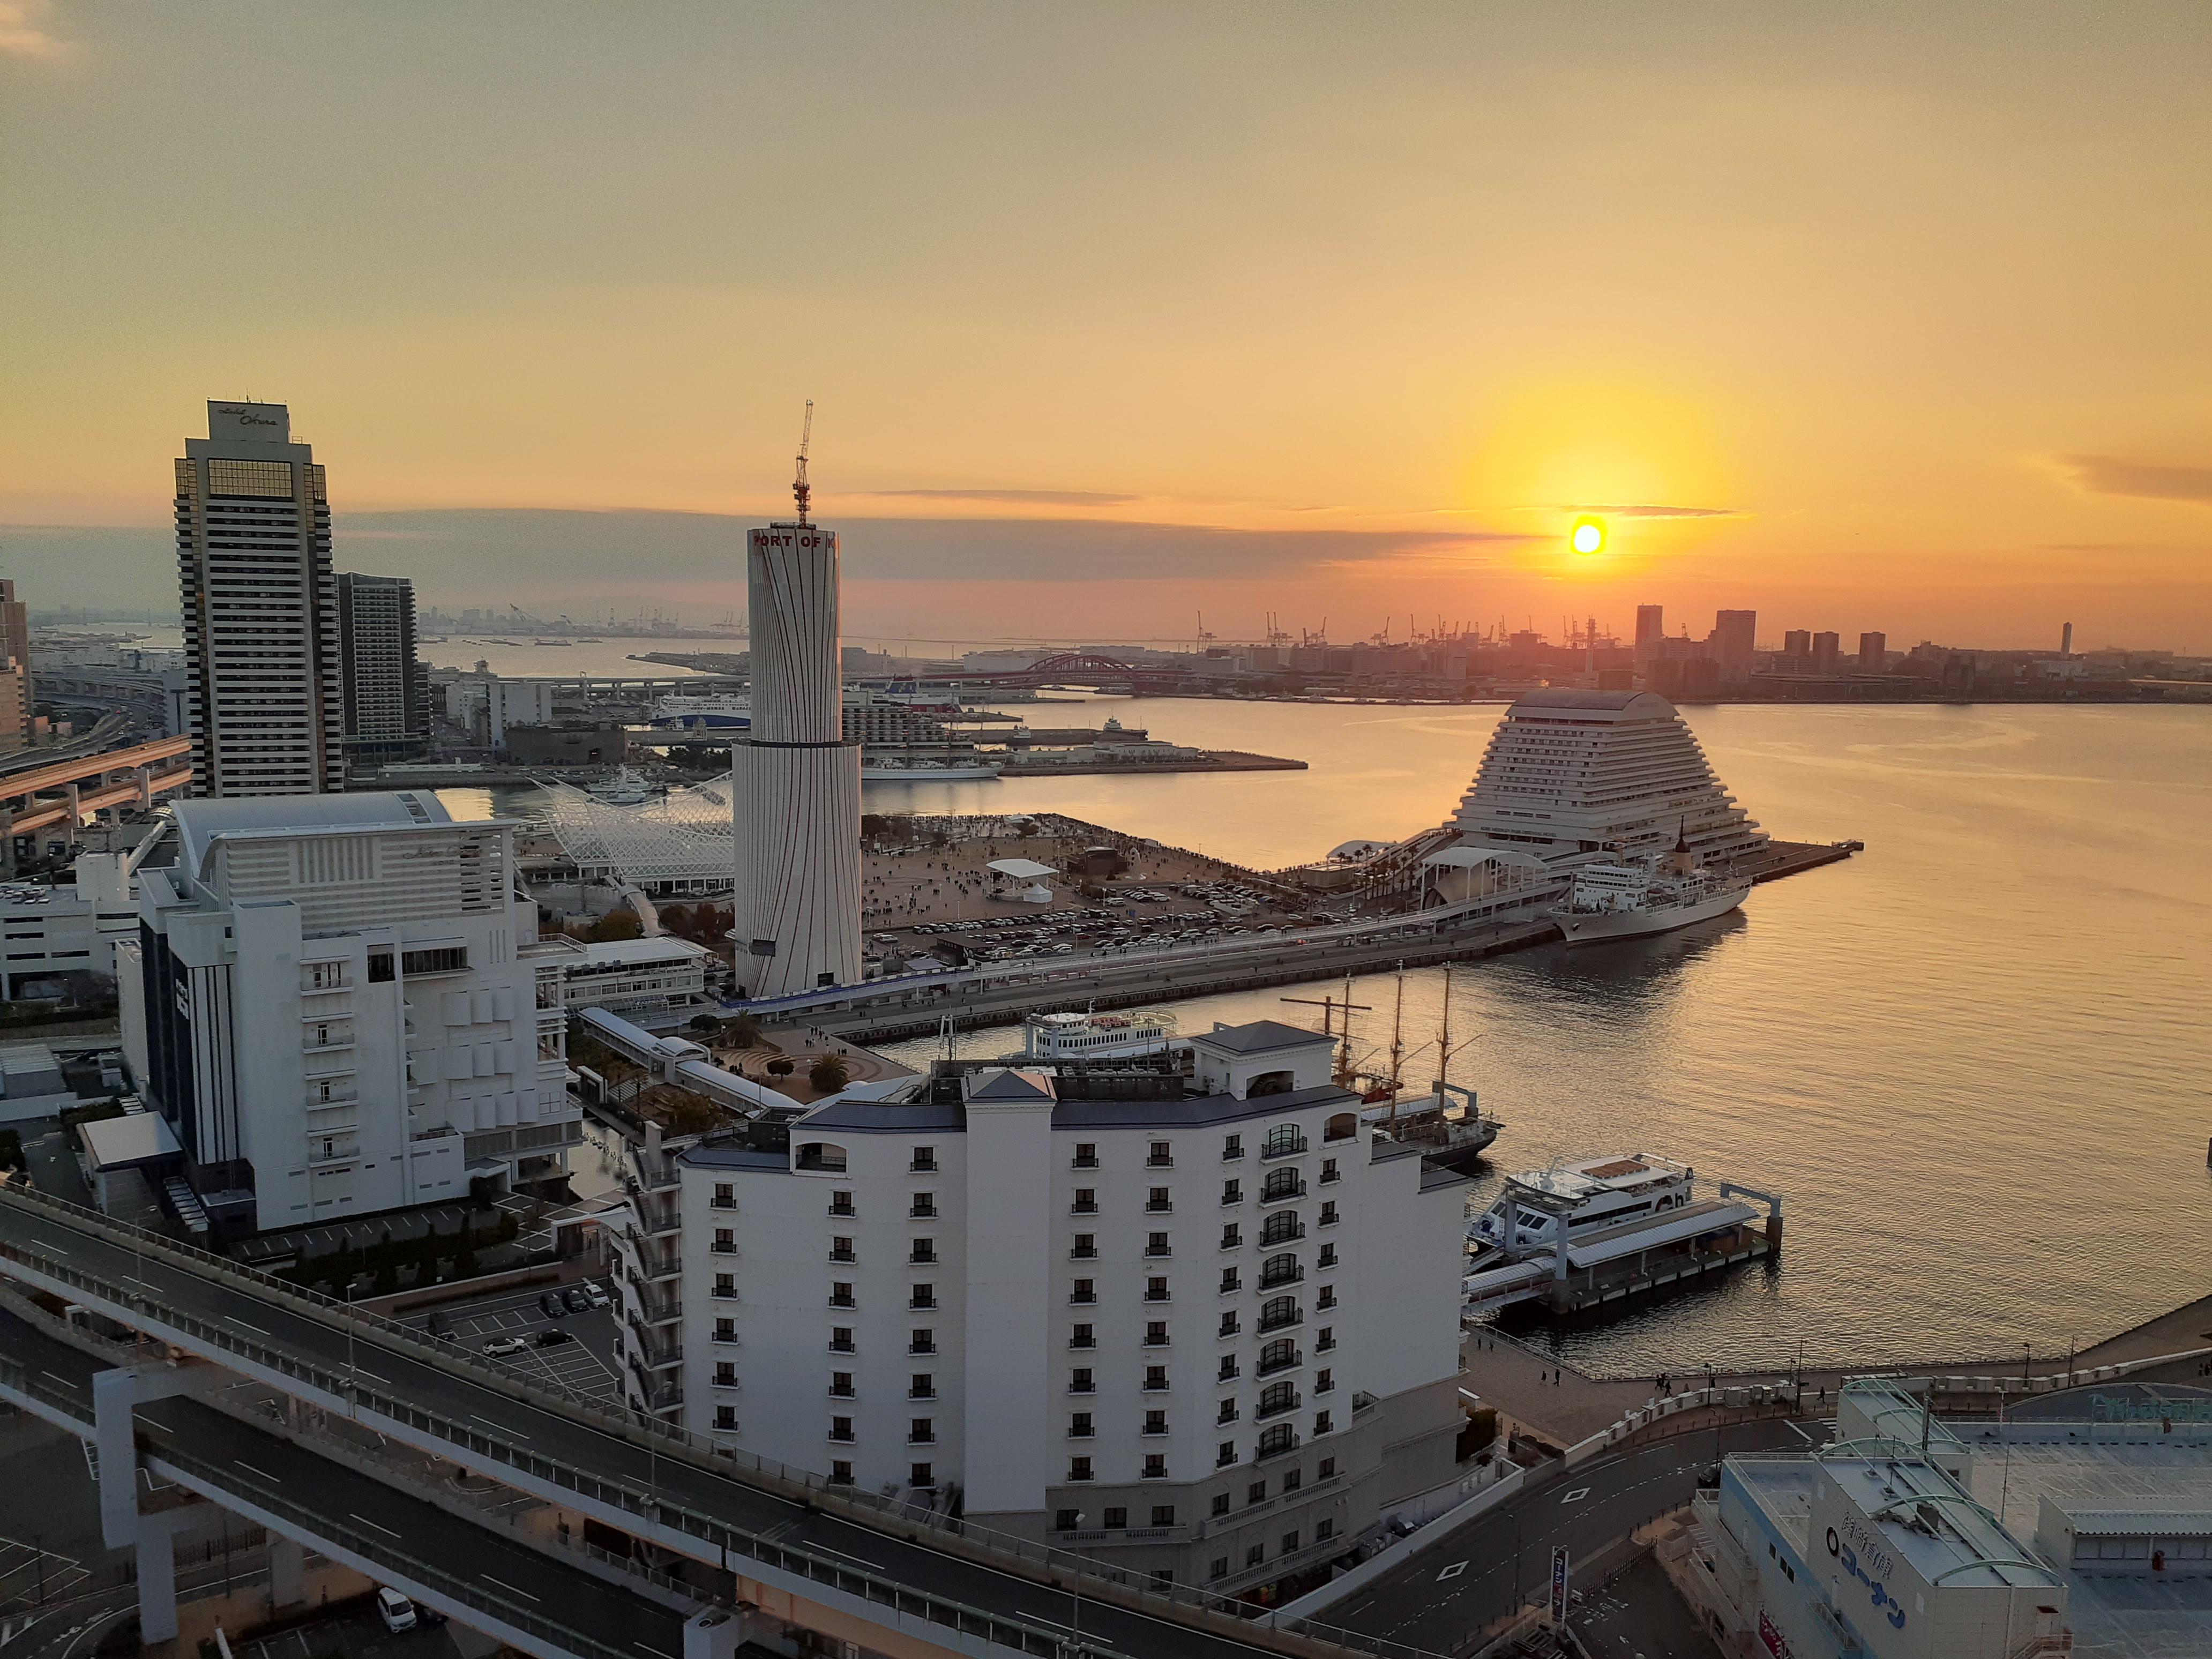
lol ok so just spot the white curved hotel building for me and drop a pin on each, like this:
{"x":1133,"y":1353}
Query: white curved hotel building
{"x":1571,"y":776}
{"x":795,"y":781}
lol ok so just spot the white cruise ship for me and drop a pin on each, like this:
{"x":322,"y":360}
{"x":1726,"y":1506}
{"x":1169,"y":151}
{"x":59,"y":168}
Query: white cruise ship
{"x":1095,"y":1037}
{"x":708,"y":714}
{"x":1628,"y":898}
{"x":1595,"y":777}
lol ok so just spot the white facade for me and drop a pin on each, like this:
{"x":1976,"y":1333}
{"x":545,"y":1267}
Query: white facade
{"x":625,"y":975}
{"x":795,"y":779}
{"x":49,"y":933}
{"x":486,"y":706}
{"x":1574,"y":776}
{"x":1206,"y":1317}
{"x":260,"y":608}
{"x":341,"y":1008}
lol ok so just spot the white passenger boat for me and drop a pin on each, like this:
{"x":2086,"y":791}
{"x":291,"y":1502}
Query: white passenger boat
{"x":1629,"y":899}
{"x":625,"y":788}
{"x":926,"y":771}
{"x":713,"y":713}
{"x":1597,"y":1193}
{"x":1095,"y":1037}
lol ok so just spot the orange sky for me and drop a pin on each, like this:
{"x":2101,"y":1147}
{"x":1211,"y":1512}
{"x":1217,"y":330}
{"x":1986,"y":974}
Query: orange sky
{"x":1890,"y":316}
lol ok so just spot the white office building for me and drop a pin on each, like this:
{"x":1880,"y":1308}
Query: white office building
{"x":340,"y":1005}
{"x":51,"y":935}
{"x":629,"y":975}
{"x":260,"y":608}
{"x":1576,"y":776}
{"x":1184,"y":1309}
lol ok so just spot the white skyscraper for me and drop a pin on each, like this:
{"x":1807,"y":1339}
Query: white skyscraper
{"x":260,"y":608}
{"x":794,"y":779}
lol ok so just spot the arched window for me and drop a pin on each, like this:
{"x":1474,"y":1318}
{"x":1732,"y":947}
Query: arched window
{"x":1281,"y":1227}
{"x":1277,"y":1354}
{"x":1269,"y":1083}
{"x":1279,"y":1311}
{"x":820,"y":1157}
{"x":1277,"y":1397}
{"x":1283,"y":1140}
{"x":1279,"y":1270}
{"x":1343,"y":1127}
{"x":1281,"y":1438}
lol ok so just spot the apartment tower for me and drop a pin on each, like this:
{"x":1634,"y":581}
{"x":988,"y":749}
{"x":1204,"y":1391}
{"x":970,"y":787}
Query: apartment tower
{"x":15,"y":695}
{"x":260,"y":608}
{"x":387,"y":689}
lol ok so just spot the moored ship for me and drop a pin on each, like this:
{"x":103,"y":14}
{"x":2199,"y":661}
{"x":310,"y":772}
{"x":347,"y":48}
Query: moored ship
{"x":1631,"y":898}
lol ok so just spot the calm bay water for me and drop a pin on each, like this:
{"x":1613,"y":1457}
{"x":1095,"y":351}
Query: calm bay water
{"x":1973,"y":1060}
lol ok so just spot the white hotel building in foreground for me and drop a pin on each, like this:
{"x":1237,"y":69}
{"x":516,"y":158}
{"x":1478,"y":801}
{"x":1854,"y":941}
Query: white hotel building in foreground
{"x":1185,"y":1310}
{"x":340,"y":1005}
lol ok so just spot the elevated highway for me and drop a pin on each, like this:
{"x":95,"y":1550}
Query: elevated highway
{"x":830,"y":1559}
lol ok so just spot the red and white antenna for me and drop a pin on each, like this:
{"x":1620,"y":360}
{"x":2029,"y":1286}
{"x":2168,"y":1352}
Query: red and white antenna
{"x":799,"y":487}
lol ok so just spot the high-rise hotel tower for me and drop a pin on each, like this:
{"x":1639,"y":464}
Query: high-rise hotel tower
{"x":794,"y":779}
{"x":260,"y":608}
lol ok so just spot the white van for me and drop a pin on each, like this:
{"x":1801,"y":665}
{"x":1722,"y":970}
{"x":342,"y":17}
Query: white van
{"x":395,"y":1609}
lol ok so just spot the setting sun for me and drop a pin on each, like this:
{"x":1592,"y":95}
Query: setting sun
{"x":1588,"y":535}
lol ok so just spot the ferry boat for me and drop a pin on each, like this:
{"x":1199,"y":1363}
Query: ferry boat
{"x":894,"y":770}
{"x":912,"y":694}
{"x":713,"y":713}
{"x":1095,"y":1037}
{"x":1604,"y":1192}
{"x":625,"y":788}
{"x":1629,"y":899}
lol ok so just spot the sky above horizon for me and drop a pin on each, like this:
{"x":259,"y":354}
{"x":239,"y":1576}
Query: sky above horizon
{"x":1890,"y":316}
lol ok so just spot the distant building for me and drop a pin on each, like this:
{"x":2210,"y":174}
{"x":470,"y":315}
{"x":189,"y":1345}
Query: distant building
{"x":1797,"y":643}
{"x":61,"y":939}
{"x":388,"y":689}
{"x":485,"y":705}
{"x":260,"y":608}
{"x":1735,"y":638}
{"x":339,"y":1004}
{"x":1827,"y":653}
{"x":626,"y":974}
{"x":1874,"y":653}
{"x":572,"y":743}
{"x":17,"y":697}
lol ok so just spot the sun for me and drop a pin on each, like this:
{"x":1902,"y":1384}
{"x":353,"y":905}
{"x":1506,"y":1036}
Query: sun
{"x":1587,"y":536}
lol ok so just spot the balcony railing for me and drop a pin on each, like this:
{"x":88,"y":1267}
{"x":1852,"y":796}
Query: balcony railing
{"x":1282,"y":1276}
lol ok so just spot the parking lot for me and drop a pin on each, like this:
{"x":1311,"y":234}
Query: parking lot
{"x":1136,"y":918}
{"x":583,"y":1365}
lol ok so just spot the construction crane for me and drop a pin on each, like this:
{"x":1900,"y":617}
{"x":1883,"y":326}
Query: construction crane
{"x":799,"y":487}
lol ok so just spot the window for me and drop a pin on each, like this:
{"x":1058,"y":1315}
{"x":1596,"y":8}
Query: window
{"x":1324,"y":1423}
{"x":726,"y":1287}
{"x":1293,"y":1478}
{"x":1230,"y":1280}
{"x":841,"y":1249}
{"x":1326,"y":1470}
{"x":1232,"y":1148}
{"x":924,"y":1204}
{"x":1156,"y":1289}
{"x":1066,"y":1520}
{"x":1326,"y":1298}
{"x":1163,"y":1515}
{"x":1221,"y":1502}
{"x":1156,"y":1422}
{"x":841,"y":1428}
{"x":1086,"y":1247}
{"x":444,"y":959}
{"x":1328,"y":1214}
{"x":1229,"y":1323}
{"x":841,"y":1338}
{"x":1083,"y":1337}
{"x":1222,"y":1457}
{"x":841,"y":1473}
{"x":923,"y":1249}
{"x":1233,"y":1237}
{"x":1079,"y":1468}
{"x":1324,"y":1380}
{"x":1276,"y":1399}
{"x":1325,"y":1339}
{"x":726,"y":1241}
{"x":1279,"y":1270}
{"x":726,"y":1196}
{"x":1156,"y":1202}
{"x":379,"y":967}
{"x":1277,"y":1355}
{"x":1078,"y":1426}
{"x":1281,"y":1227}
{"x":1256,"y":1492}
{"x":840,"y":1294}
{"x":1086,"y":1289}
{"x":840,"y":1203}
{"x":1323,"y":1531}
{"x":1116,"y":1517}
{"x":1079,"y":1381}
{"x":1228,"y":1368}
{"x":841,"y":1385}
{"x":1086,"y":1154}
{"x":924,"y":1341}
{"x":1281,"y":1438}
{"x":1278,"y":1312}
{"x":726,"y":1330}
{"x":1220,"y":1569}
{"x":1328,"y":1171}
{"x":925,"y":1161}
{"x":1255,"y":1555}
{"x":725,"y":1417}
{"x":1086,"y":1201}
{"x":1232,"y":1192}
{"x":920,"y":1431}
{"x":1225,"y":1413}
{"x":921,"y":1475}
{"x":1263,"y":1083}
{"x":922,"y":1296}
{"x":1281,"y":1184}
{"x":1162,"y":1157}
{"x":921,"y":1385}
{"x":1290,"y":1541}
{"x":1327,"y":1256}
{"x":819,"y":1157}
{"x":1156,"y":1333}
{"x":1156,"y":1244}
{"x":1155,"y":1377}
{"x":1156,"y":1466}
{"x":1283,"y":1140}
{"x":1342,"y":1127}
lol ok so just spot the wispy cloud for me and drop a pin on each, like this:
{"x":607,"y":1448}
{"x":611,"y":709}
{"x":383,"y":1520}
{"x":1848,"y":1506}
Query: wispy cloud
{"x":1018,"y":497}
{"x":2108,"y":475}
{"x":23,"y":31}
{"x":1651,"y":510}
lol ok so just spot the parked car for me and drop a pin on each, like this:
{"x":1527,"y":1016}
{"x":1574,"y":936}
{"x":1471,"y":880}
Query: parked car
{"x":596,"y":1294}
{"x":500,"y":1346}
{"x":553,"y":1336}
{"x":395,"y":1609}
{"x":551,"y":1305}
{"x":576,"y":1300}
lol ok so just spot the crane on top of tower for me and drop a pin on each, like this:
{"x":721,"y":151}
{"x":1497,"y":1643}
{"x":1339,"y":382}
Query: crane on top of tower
{"x":799,"y":487}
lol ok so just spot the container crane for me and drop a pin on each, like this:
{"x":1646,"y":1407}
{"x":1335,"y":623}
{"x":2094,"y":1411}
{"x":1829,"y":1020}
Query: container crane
{"x":800,"y":490}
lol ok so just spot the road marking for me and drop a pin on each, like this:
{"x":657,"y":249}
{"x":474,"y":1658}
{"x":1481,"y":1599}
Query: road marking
{"x":1576,"y":1496}
{"x":250,"y":1470}
{"x":1452,"y":1571}
{"x":366,"y":1521}
{"x":1801,"y":1434}
{"x":53,"y":1250}
{"x":649,"y":1648}
{"x":60,"y":1378}
{"x":501,"y":1427}
{"x":234,"y":1320}
{"x":508,"y":1588}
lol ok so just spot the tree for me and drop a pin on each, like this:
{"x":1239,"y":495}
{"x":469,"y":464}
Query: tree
{"x":872,"y":826}
{"x":387,"y":1267}
{"x":677,"y":919}
{"x":780,"y":1066}
{"x":828,"y":1073}
{"x":616,"y":925}
{"x":743,"y":1032}
{"x":705,"y":1023}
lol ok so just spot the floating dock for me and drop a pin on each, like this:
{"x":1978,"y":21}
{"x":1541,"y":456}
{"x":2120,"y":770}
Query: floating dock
{"x":1648,"y":1255}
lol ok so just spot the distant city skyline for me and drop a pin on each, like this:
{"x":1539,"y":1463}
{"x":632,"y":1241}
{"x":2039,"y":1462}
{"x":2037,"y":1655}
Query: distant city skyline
{"x":1887,"y":317}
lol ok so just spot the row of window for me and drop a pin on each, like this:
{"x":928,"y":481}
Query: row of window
{"x":1115,"y":1517}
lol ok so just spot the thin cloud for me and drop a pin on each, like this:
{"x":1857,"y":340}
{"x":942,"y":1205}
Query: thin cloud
{"x":23,"y":32}
{"x":1647,"y":510}
{"x":2108,"y":475}
{"x":1017,"y":497}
